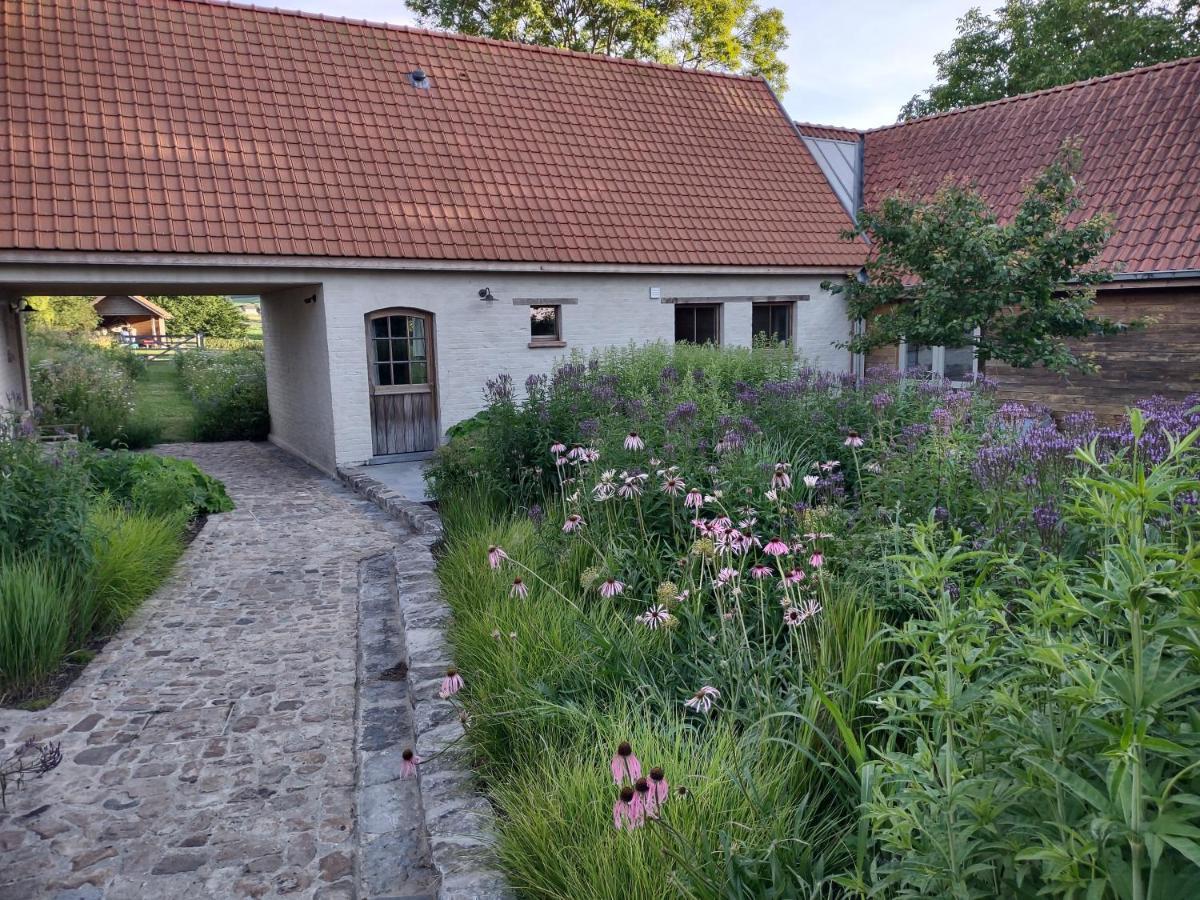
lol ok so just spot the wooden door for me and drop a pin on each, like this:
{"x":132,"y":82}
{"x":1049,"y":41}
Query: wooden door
{"x":403,"y":397}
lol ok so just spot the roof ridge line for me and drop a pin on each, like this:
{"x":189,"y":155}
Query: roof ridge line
{"x":459,"y":36}
{"x":803,"y":123}
{"x":1058,"y":88}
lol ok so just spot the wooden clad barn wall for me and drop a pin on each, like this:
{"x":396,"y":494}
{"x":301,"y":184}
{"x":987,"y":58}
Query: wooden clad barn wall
{"x":403,"y":423}
{"x":1164,"y":358}
{"x":888,"y":357}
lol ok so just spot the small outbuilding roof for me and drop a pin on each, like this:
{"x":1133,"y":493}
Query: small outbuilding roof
{"x":1139,"y":132}
{"x":192,"y":126}
{"x":149,"y":305}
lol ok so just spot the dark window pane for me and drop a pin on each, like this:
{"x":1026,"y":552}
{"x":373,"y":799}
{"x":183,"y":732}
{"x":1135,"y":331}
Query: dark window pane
{"x":381,"y":327}
{"x":918,"y":357}
{"x":383,"y":352}
{"x":760,"y":319}
{"x":685,"y":323}
{"x":771,"y":319}
{"x":399,"y":350}
{"x":383,"y":374}
{"x":418,"y":373}
{"x":400,"y":373}
{"x":543,"y":322}
{"x":959,"y":362}
{"x":781,"y":323}
{"x":706,"y":324}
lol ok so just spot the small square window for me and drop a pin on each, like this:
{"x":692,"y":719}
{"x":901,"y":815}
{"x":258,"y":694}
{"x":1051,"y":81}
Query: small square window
{"x":773,"y":320}
{"x":698,"y":324}
{"x":545,"y":324}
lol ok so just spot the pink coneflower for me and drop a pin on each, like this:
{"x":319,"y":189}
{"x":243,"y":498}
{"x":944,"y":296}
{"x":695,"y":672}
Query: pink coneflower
{"x":792,"y":617}
{"x":628,"y":811}
{"x":702,"y":700}
{"x":630,"y":487}
{"x":673,"y":485}
{"x":727,"y":575}
{"x":794,"y":576}
{"x":781,"y":480}
{"x":573,"y":522}
{"x":408,"y":764}
{"x":775,"y":547}
{"x":496,"y":555}
{"x":772,"y":495}
{"x":655,"y":617}
{"x":624,"y":764}
{"x":830,"y":465}
{"x":519,"y":589}
{"x":633,"y":441}
{"x":853,"y":439}
{"x":591,"y":455}
{"x":874,"y":468}
{"x":810,"y":608}
{"x":558,"y":448}
{"x":720,"y":523}
{"x":760,"y":571}
{"x":816,"y":560}
{"x":811,"y":481}
{"x":694,"y":499}
{"x":610,"y":587}
{"x":451,"y":684}
{"x":577,"y":452}
{"x":702,"y":526}
{"x":660,"y":790}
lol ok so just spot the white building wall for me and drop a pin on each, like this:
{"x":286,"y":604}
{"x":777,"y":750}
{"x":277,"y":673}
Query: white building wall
{"x":297,"y":358}
{"x":475,"y":340}
{"x":14,"y":384}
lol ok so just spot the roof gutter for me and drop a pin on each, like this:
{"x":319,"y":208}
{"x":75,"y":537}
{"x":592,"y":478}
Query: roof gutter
{"x":1167,"y":275}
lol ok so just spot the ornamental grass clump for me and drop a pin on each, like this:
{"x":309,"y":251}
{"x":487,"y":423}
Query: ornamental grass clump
{"x":772,"y":633}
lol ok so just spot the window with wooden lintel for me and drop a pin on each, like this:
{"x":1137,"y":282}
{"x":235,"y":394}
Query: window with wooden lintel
{"x":773,"y":320}
{"x":545,"y":325}
{"x":698,"y":323}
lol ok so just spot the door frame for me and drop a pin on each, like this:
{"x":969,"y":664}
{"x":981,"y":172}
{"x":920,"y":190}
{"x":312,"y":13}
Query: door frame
{"x":373,"y":389}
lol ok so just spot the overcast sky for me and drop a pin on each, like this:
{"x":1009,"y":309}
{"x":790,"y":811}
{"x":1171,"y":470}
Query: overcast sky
{"x":850,"y":62}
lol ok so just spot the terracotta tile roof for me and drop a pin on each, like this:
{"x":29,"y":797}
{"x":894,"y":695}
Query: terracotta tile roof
{"x":190,"y":126}
{"x":1140,"y":133}
{"x":828,"y":132}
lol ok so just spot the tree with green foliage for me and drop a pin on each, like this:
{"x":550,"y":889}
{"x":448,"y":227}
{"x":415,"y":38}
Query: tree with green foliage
{"x":718,"y":35}
{"x":73,"y":314}
{"x":944,"y":271}
{"x":1028,"y":45}
{"x":215,"y":315}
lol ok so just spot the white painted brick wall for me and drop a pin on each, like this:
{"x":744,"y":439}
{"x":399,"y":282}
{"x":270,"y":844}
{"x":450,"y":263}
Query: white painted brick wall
{"x":476,"y":340}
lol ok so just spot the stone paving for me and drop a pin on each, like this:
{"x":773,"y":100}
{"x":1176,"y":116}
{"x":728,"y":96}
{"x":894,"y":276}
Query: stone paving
{"x":209,"y":751}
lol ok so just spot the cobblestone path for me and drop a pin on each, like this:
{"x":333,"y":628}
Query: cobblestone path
{"x":209,"y":750}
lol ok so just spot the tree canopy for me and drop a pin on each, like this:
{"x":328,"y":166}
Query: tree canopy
{"x":63,"y":313}
{"x":217,"y":316}
{"x":944,"y":271}
{"x":1028,"y":45}
{"x":721,"y":35}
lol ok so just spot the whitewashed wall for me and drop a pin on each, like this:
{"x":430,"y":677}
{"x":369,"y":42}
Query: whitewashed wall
{"x":13,"y":385}
{"x":475,"y":340}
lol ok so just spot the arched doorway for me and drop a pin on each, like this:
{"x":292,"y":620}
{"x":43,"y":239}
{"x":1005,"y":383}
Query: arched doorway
{"x":404,"y":409}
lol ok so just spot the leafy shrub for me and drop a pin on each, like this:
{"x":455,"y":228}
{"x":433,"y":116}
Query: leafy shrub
{"x":132,"y":554}
{"x":37,"y":617}
{"x":43,"y":492}
{"x":215,"y":343}
{"x":157,"y":485}
{"x":229,"y":392}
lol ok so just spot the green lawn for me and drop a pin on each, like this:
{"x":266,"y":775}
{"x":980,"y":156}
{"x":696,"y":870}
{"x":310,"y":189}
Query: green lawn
{"x":160,"y":396}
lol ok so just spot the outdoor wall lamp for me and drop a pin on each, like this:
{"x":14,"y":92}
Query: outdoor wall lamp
{"x":486,"y":295}
{"x":24,"y":308}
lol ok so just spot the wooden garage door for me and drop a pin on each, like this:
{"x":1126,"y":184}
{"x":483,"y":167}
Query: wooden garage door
{"x":403,"y":397}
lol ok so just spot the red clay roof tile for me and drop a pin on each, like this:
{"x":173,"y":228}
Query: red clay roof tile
{"x":1140,"y":138}
{"x":236,"y":129}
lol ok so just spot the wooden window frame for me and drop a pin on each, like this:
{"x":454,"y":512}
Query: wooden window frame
{"x":718,"y":311}
{"x":430,"y":385}
{"x":538,"y":342}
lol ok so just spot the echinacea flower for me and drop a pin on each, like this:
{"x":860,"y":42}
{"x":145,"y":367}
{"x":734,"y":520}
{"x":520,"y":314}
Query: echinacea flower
{"x":811,"y":481}
{"x":577,"y":452}
{"x":760,"y":571}
{"x":792,"y":617}
{"x":610,"y":587}
{"x":702,"y":700}
{"x":519,"y":589}
{"x":853,"y":439}
{"x":408,"y":764}
{"x":627,"y":811}
{"x":694,"y":499}
{"x":726,"y":575}
{"x":781,"y":480}
{"x":660,"y":790}
{"x":557,"y":448}
{"x":655,"y":617}
{"x":816,"y":560}
{"x":573,"y":522}
{"x":630,"y":487}
{"x":624,"y":764}
{"x":794,"y":576}
{"x":673,"y":485}
{"x":643,"y":802}
{"x":633,"y":441}
{"x":451,"y":684}
{"x":775,"y":547}
{"x":495,"y":556}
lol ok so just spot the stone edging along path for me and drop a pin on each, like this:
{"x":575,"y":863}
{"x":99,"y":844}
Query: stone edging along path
{"x":459,"y":821}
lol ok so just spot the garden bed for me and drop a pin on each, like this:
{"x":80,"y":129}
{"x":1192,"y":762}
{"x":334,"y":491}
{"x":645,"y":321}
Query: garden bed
{"x":726,"y":627}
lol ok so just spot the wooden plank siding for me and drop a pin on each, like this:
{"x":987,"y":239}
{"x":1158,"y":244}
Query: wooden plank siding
{"x":1164,"y":358}
{"x":403,"y":423}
